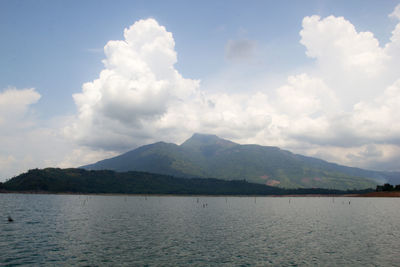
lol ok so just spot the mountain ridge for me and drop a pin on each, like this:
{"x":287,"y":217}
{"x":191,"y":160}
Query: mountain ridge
{"x":204,"y":155}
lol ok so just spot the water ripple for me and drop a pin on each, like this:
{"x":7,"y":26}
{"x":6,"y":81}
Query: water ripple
{"x":197,"y":231}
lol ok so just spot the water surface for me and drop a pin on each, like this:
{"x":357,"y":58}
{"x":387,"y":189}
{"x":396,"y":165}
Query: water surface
{"x":177,"y":231}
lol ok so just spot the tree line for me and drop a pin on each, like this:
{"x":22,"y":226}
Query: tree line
{"x":55,"y":180}
{"x":387,"y":187}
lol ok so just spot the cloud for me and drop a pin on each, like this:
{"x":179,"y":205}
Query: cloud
{"x":135,"y":89}
{"x":305,"y":96}
{"x":6,"y":162}
{"x":376,"y":120}
{"x":334,"y":41}
{"x":358,"y":70}
{"x":79,"y":156}
{"x":15,"y":120}
{"x":342,"y":109}
{"x":27,"y":141}
{"x":14,"y":103}
{"x":240,"y":50}
{"x":16,"y":113}
{"x":396,"y":13}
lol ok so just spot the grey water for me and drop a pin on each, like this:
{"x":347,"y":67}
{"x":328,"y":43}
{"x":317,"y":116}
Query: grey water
{"x":82,"y":230}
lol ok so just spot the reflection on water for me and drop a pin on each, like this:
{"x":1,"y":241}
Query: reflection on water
{"x":154,"y":230}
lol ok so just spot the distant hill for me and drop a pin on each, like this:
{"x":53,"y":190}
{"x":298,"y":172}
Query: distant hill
{"x":210,"y":156}
{"x":55,"y":180}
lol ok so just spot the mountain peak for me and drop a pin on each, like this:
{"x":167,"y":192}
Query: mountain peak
{"x":200,"y":140}
{"x":206,"y":155}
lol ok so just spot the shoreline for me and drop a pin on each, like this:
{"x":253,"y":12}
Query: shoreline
{"x":370,"y":194}
{"x":381,"y":194}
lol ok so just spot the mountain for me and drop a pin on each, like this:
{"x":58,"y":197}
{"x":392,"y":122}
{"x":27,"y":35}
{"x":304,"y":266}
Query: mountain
{"x":210,"y":156}
{"x":55,"y":180}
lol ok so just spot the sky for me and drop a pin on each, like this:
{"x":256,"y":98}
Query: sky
{"x":86,"y":80}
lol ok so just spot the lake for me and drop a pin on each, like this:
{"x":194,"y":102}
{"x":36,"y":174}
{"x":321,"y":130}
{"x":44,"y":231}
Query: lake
{"x":198,"y":231}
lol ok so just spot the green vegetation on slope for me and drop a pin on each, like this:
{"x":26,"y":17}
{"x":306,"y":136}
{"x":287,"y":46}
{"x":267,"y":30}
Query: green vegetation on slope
{"x":210,"y":156}
{"x":56,"y":180}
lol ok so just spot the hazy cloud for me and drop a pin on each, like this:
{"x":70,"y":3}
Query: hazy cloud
{"x":15,"y":103}
{"x":396,"y":13}
{"x":27,"y":141}
{"x":240,"y":50}
{"x":15,"y":126}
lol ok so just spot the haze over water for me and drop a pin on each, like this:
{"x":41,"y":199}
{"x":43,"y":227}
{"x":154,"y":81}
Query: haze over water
{"x":172,"y":231}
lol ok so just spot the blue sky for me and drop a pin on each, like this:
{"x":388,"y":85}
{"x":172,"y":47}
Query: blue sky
{"x":236,"y":49}
{"x":55,"y":46}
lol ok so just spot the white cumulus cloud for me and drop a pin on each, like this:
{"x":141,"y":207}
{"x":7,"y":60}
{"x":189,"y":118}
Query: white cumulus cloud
{"x":334,"y":41}
{"x":133,"y":92}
